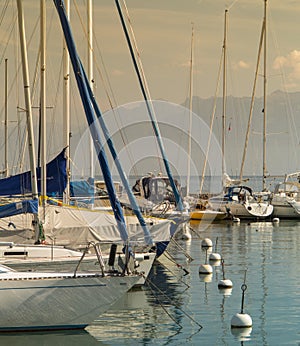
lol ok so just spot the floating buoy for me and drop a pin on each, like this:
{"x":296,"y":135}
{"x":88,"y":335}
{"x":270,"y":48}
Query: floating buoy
{"x":241,"y":320}
{"x":276,"y":220}
{"x":214,"y":256}
{"x":205,"y":269}
{"x":224,"y":283}
{"x":236,"y":219}
{"x":206,"y":242}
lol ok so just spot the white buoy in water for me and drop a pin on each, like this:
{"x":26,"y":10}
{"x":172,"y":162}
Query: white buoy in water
{"x":225,"y":283}
{"x":241,"y":320}
{"x":214,"y":256}
{"x":205,"y":269}
{"x":276,"y":220}
{"x":206,"y":242}
{"x":236,"y":219}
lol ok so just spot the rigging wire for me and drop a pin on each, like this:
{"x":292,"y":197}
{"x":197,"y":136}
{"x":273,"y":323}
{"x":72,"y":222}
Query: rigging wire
{"x":108,"y":90}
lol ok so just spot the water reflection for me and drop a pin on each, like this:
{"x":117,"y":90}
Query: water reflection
{"x":153,"y":312}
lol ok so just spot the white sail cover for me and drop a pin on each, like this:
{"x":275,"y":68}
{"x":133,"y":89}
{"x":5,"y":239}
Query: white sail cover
{"x":74,"y":226}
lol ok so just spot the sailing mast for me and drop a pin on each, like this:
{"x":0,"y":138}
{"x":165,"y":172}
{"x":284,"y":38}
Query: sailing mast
{"x":6,"y":125}
{"x":66,"y":107}
{"x":149,"y":105}
{"x":91,"y":107}
{"x":263,"y":43}
{"x":90,"y":75}
{"x":190,"y":116}
{"x":27,"y":96}
{"x":224,"y":93}
{"x":43,"y":102}
{"x":252,"y":101}
{"x":265,"y":100}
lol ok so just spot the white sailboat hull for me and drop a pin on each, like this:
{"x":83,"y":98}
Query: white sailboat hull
{"x":57,"y":258}
{"x":51,"y":301}
{"x":245,"y":210}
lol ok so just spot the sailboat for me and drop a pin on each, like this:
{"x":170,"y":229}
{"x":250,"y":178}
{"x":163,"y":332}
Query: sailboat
{"x":67,"y":225}
{"x":238,"y":200}
{"x":56,"y":300}
{"x":286,"y":197}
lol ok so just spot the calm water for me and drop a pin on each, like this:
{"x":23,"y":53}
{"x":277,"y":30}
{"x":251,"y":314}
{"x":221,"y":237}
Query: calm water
{"x":169,"y":311}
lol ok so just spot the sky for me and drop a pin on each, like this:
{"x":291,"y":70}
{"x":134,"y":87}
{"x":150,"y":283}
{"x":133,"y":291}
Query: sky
{"x":163,"y":34}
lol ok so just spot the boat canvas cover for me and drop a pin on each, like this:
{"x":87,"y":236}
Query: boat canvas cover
{"x":73,"y":226}
{"x":21,"y":207}
{"x":20,"y":184}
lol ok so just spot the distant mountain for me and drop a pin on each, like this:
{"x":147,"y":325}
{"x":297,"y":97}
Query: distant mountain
{"x":283,"y":131}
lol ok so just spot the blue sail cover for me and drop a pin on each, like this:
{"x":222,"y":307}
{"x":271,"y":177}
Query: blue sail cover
{"x":22,"y":207}
{"x":20,"y":184}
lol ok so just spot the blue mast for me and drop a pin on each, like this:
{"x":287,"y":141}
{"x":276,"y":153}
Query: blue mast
{"x":89,"y":97}
{"x":151,"y":113}
{"x":94,"y":129}
{"x":114,"y":154}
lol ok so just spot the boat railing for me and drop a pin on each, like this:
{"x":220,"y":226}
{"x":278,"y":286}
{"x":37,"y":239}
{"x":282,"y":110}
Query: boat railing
{"x":98,"y":253}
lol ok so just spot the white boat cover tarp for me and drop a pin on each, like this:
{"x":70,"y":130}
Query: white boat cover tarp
{"x":74,"y":226}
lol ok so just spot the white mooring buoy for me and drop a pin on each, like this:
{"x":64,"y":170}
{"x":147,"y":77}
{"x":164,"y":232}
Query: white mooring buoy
{"x":241,"y":320}
{"x":205,"y":268}
{"x":236,"y":219}
{"x":214,"y":256}
{"x":206,"y":242}
{"x":275,"y":220}
{"x":224,"y":283}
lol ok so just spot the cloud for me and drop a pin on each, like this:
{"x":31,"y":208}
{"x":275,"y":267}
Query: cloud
{"x":290,"y":61}
{"x":116,"y":72}
{"x":241,"y":65}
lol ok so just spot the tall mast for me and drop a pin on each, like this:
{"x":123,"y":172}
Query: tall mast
{"x":265,"y":99}
{"x":6,"y":124}
{"x":252,"y":99}
{"x":27,"y":96}
{"x":190,"y":116}
{"x":90,"y":74}
{"x":66,"y":106}
{"x":149,"y":105}
{"x":43,"y":102}
{"x":224,"y":93}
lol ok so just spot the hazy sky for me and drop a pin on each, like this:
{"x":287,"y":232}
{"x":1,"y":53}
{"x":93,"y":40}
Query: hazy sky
{"x":163,"y":34}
